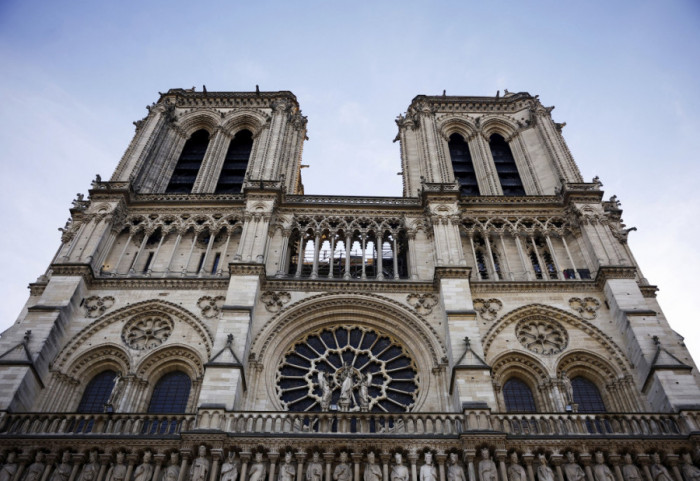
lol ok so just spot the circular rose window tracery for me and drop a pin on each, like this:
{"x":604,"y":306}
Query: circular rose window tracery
{"x":148,"y":330}
{"x":347,"y":368}
{"x":542,"y":336}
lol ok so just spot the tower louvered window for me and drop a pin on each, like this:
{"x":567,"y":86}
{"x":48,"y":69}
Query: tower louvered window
{"x":508,"y":174}
{"x":188,"y":164}
{"x":235,"y":163}
{"x":463,"y":166}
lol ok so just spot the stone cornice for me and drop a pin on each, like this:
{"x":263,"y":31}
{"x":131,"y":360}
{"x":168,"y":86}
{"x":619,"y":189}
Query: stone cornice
{"x":188,"y":98}
{"x":352,"y":285}
{"x":455,"y":272}
{"x":534,"y":286}
{"x":606,"y":273}
{"x":649,"y":291}
{"x":509,"y":103}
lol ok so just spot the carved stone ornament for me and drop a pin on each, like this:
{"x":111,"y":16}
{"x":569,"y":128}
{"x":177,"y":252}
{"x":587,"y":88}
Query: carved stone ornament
{"x":148,"y":330}
{"x":95,"y":306}
{"x":274,"y":301}
{"x":211,"y":306}
{"x":422,"y":303}
{"x":542,"y":336}
{"x":487,"y":308}
{"x":586,"y":307}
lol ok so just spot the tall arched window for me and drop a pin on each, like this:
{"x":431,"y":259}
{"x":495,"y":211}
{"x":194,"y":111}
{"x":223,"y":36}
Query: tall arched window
{"x":171,"y":393}
{"x":462,"y":165}
{"x":235,"y":163}
{"x":97,"y":392}
{"x":518,"y":396}
{"x":587,"y":396}
{"x":505,"y":166}
{"x":188,"y":164}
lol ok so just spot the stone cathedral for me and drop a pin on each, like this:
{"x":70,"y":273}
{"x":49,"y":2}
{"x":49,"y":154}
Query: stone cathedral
{"x":205,"y":320}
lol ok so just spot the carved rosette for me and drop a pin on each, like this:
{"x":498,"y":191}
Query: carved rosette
{"x":488,"y":308}
{"x":210,"y":306}
{"x":147,"y":330}
{"x":542,"y":336}
{"x":422,"y":303}
{"x":586,"y":307}
{"x":274,"y":301}
{"x":95,"y":306}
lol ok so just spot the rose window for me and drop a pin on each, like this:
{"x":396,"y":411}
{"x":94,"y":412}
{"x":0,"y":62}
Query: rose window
{"x":347,"y":368}
{"x":541,"y":336}
{"x":147,"y":331}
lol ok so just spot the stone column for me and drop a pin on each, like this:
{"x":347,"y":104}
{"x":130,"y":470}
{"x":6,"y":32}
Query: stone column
{"x":385,"y":457}
{"x":159,"y":459}
{"x":23,"y":460}
{"x":328,"y":457}
{"x":585,"y":459}
{"x":500,"y":456}
{"x":317,"y":246}
{"x":216,"y":455}
{"x":301,"y":456}
{"x":185,"y":456}
{"x":614,"y":459}
{"x":413,"y":458}
{"x":528,"y":458}
{"x":469,"y":458}
{"x":50,"y":460}
{"x":348,"y":245}
{"x":104,"y":461}
{"x":77,"y":459}
{"x":645,"y":460}
{"x":245,"y":458}
{"x":131,"y":459}
{"x":555,"y":460}
{"x":356,"y":459}
{"x":441,"y":457}
{"x":672,"y":460}
{"x":273,"y":457}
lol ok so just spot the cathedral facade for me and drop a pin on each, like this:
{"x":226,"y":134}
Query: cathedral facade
{"x":205,"y":320}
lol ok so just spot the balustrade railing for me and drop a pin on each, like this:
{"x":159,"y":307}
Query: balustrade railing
{"x":365,"y":424}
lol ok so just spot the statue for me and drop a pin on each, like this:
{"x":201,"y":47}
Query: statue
{"x":629,"y":471}
{"x":515,"y":471}
{"x":8,"y":471}
{"x":399,"y":472}
{"x":689,"y":470}
{"x":343,"y":472}
{"x":373,"y":472}
{"x":346,"y":387}
{"x":229,"y":470}
{"x":658,"y":470}
{"x":90,"y":469}
{"x":314,"y":470}
{"x":428,"y":472}
{"x":200,"y":466}
{"x":324,"y":383}
{"x":567,"y":388}
{"x":144,"y":471}
{"x":63,"y":470}
{"x":287,"y":469}
{"x":257,"y":470}
{"x":363,"y":393}
{"x":117,"y":390}
{"x":117,"y":472}
{"x":454,"y":470}
{"x":573,"y":471}
{"x":172,"y":472}
{"x":36,"y":469}
{"x":601,"y":471}
{"x":487,"y":468}
{"x":544,"y":472}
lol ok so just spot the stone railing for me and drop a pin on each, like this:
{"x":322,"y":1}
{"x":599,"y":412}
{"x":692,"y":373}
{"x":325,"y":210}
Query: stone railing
{"x":365,"y":424}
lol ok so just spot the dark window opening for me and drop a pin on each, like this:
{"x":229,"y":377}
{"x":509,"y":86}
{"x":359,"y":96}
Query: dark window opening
{"x":148,"y":262}
{"x":536,"y":265}
{"x":188,"y":164}
{"x":170,"y":394}
{"x":463,"y":166}
{"x":505,"y":166}
{"x":217,"y":258}
{"x":201,"y":262}
{"x":587,"y":396}
{"x":235,"y":164}
{"x":518,"y":397}
{"x":584,"y":273}
{"x":97,"y":393}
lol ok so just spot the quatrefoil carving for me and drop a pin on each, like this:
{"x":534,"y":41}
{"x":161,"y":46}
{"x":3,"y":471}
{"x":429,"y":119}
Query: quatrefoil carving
{"x":422,"y":303}
{"x":210,"y":306}
{"x":487,"y":308}
{"x":95,"y":306}
{"x":274,"y":301}
{"x":586,"y":307}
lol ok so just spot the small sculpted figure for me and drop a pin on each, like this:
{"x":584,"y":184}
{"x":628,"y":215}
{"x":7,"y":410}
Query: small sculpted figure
{"x":118,"y":470}
{"x":9,"y":469}
{"x":324,"y":383}
{"x":515,"y":471}
{"x":144,"y":471}
{"x":373,"y":472}
{"x":690,"y":472}
{"x":399,"y":472}
{"x":36,"y":469}
{"x":200,"y":466}
{"x":63,"y":470}
{"x":454,"y":470}
{"x":90,"y":469}
{"x":229,"y":470}
{"x":363,"y":392}
{"x":428,"y":472}
{"x":601,"y":471}
{"x":258,"y":469}
{"x":544,"y":472}
{"x":287,"y":469}
{"x":573,"y":471}
{"x":567,"y":388}
{"x":117,"y":390}
{"x":314,"y":470}
{"x":487,"y":468}
{"x":343,"y":472}
{"x":172,"y":472}
{"x":629,"y":471}
{"x":658,"y":470}
{"x":346,"y":387}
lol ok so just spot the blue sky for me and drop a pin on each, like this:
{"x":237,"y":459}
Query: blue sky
{"x":623,"y":75}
